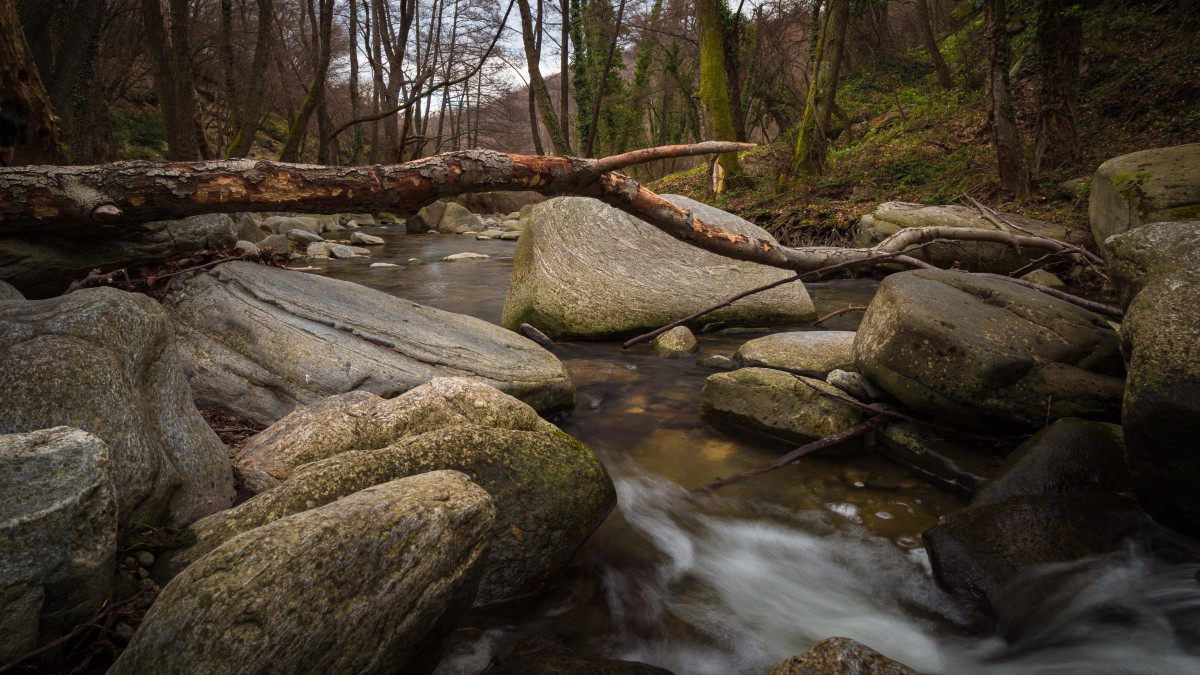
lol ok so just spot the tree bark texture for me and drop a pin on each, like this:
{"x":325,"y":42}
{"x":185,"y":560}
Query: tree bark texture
{"x":251,"y":108}
{"x":22,"y":95}
{"x":60,"y":199}
{"x":811,"y":141}
{"x":172,"y":79}
{"x":316,"y":91}
{"x":537,"y":85}
{"x":1060,"y":40}
{"x":1010,"y":157}
{"x":714,"y":85}
{"x":931,"y":45}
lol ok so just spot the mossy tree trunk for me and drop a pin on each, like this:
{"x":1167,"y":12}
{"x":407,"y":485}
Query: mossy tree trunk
{"x":812,"y":140}
{"x":1059,"y":39}
{"x":250,"y":112}
{"x":316,"y":91}
{"x":714,"y":87}
{"x":1010,"y":156}
{"x":931,"y":45}
{"x":540,"y":102}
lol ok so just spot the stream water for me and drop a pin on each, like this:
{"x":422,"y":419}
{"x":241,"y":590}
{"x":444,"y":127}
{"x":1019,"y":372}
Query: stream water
{"x":736,"y":582}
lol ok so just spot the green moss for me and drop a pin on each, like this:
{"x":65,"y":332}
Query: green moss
{"x":1184,"y":213}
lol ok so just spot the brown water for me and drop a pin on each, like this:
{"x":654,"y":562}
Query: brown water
{"x":728,"y":583}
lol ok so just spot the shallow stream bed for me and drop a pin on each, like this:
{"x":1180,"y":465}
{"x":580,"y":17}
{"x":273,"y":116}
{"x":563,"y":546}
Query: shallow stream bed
{"x":736,"y":582}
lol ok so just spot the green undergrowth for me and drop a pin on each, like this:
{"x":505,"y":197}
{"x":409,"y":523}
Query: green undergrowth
{"x":910,"y":141}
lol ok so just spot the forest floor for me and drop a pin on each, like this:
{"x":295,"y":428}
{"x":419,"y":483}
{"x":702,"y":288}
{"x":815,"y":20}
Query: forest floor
{"x":1140,"y":89}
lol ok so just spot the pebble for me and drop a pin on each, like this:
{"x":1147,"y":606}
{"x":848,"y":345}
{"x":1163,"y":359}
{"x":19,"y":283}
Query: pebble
{"x":144,"y":558}
{"x":384,"y":265}
{"x":130,"y":563}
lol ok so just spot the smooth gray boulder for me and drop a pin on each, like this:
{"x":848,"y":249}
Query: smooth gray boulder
{"x":777,"y":403}
{"x":1070,"y":455}
{"x":363,"y":239}
{"x":259,"y":341}
{"x":891,"y":217}
{"x":58,"y":535}
{"x":341,"y":251}
{"x":303,"y":237}
{"x":105,"y":361}
{"x":814,"y":353}
{"x":675,"y":343}
{"x":361,"y":219}
{"x":550,"y":493}
{"x":585,"y":269}
{"x":285,"y":224}
{"x":1150,"y":252}
{"x":988,"y":353}
{"x":247,"y":226}
{"x":374,"y":582}
{"x":276,"y":242}
{"x":246,"y":247}
{"x":42,"y":266}
{"x":360,"y":420}
{"x":841,"y":656}
{"x":1150,"y":186}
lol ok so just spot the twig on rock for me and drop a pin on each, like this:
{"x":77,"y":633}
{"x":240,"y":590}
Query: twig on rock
{"x":839,"y":312}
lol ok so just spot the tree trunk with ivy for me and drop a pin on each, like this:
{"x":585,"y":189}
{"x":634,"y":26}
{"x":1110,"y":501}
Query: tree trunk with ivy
{"x":714,"y":87}
{"x":1010,"y":157}
{"x":812,"y":140}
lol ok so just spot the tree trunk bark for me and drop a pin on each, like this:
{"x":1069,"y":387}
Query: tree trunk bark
{"x":1014,"y":174}
{"x":945,"y":81}
{"x":812,"y":142}
{"x":251,"y":110}
{"x":175,"y":98}
{"x":316,"y":92}
{"x":537,"y":85}
{"x":601,"y":83}
{"x":714,"y":89}
{"x":1060,"y":39}
{"x":22,"y":97}
{"x":564,"y":75}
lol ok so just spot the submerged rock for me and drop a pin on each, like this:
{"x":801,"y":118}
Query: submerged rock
{"x":105,"y":361}
{"x":1070,"y":455}
{"x":260,"y":341}
{"x":58,"y":535}
{"x":933,"y":456}
{"x":812,"y":352}
{"x":986,"y":353}
{"x":585,"y":269}
{"x":373,"y":582}
{"x":841,"y":656}
{"x":1149,"y":186}
{"x":777,"y":403}
{"x":974,"y":552}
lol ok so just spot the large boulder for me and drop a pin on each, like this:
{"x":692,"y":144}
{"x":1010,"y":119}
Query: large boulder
{"x":259,"y":341}
{"x":1070,"y":455}
{"x":777,"y":403}
{"x":360,"y":420}
{"x":841,"y":656}
{"x":8,"y":293}
{"x":1150,"y":252}
{"x":444,"y":217}
{"x":498,"y":202}
{"x":974,"y":552}
{"x":585,"y":269}
{"x":1145,"y":187}
{"x":58,"y":535}
{"x":815,"y":353}
{"x":42,"y":265}
{"x":978,"y":256}
{"x":374,"y":582}
{"x":105,"y":361}
{"x":549,"y":489}
{"x":986,"y":352}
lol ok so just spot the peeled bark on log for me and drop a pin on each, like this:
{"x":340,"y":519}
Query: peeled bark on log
{"x":59,"y":199}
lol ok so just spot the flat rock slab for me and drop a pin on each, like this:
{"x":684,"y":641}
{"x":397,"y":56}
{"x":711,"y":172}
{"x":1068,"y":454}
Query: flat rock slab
{"x":262,"y":340}
{"x":815,"y":353}
{"x":585,"y":269}
{"x":988,"y":353}
{"x":1149,"y":186}
{"x":374,"y":582}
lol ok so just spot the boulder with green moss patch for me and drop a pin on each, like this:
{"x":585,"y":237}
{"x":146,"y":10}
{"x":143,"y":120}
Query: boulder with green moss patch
{"x":1149,"y":186}
{"x":373,"y":582}
{"x":777,"y":403}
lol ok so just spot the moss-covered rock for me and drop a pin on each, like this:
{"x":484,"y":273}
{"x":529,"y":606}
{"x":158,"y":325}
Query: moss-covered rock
{"x":360,"y":420}
{"x":988,"y":353}
{"x":374,"y":582}
{"x":1139,"y":256}
{"x":1149,"y":186}
{"x":777,"y":403}
{"x":585,"y":269}
{"x":675,"y":343}
{"x":549,"y":489}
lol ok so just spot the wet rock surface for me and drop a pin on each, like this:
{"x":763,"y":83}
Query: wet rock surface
{"x":841,"y":656}
{"x":777,"y":403}
{"x":813,"y":353}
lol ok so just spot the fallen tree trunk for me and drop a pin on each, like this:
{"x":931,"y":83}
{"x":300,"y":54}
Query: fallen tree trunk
{"x":49,"y":200}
